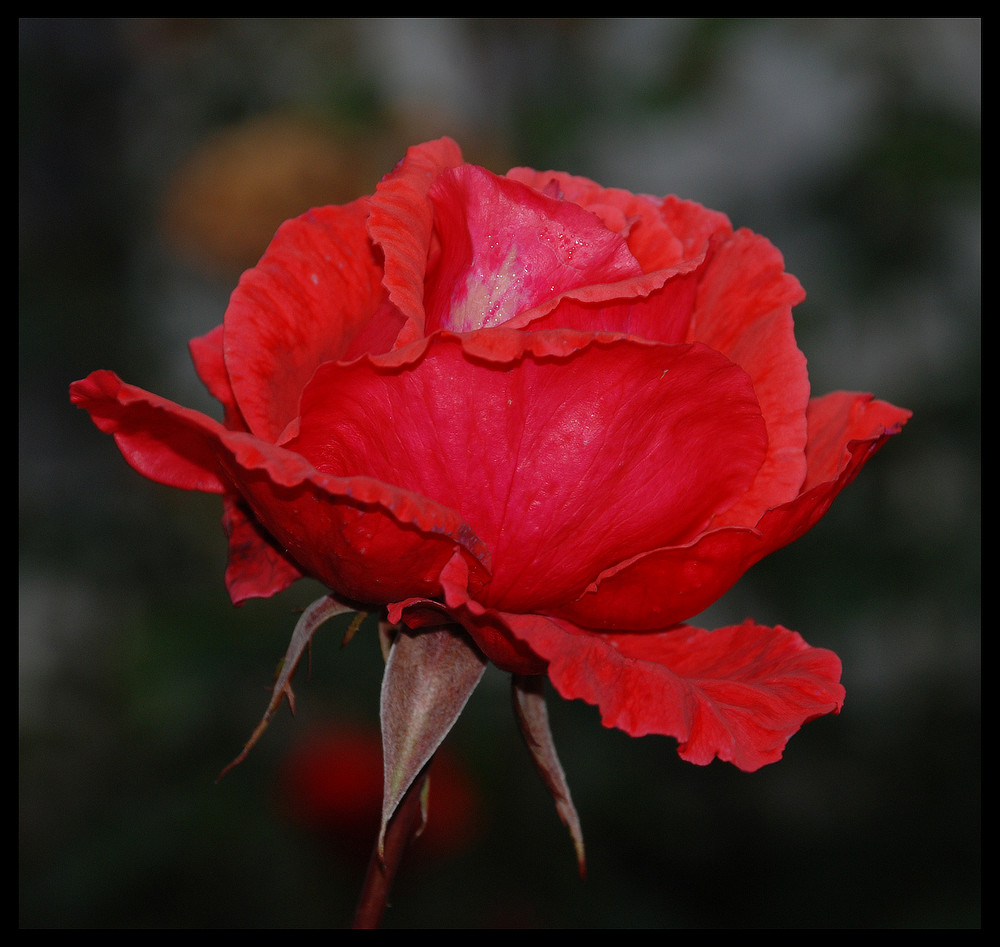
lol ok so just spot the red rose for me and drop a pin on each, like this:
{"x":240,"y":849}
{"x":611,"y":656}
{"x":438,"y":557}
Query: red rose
{"x":563,"y":417}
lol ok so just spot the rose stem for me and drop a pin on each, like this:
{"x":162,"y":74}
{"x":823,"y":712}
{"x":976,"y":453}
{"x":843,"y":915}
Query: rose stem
{"x":402,"y":828}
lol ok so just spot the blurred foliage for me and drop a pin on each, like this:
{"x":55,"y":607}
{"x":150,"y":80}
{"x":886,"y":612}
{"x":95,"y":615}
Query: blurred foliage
{"x":854,"y":144}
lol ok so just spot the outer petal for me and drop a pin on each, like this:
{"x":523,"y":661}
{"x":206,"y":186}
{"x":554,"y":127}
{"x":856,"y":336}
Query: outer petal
{"x":258,"y":567}
{"x":209,"y":359}
{"x":670,"y":585}
{"x":737,"y":693}
{"x":846,"y":430}
{"x":174,"y":446}
{"x":743,"y":308}
{"x":367,"y":541}
{"x":852,"y":419}
{"x":311,"y":298}
{"x":162,"y":440}
{"x":564,"y":458}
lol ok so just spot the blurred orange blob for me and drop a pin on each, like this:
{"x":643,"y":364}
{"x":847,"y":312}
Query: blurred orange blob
{"x":224,"y":203}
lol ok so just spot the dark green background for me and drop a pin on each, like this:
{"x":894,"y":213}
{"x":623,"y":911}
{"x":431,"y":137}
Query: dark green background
{"x":853,"y":144}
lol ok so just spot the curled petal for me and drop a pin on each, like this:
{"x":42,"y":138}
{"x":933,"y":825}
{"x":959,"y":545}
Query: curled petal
{"x":401,"y":224}
{"x":745,"y":274}
{"x":366,"y":540}
{"x":669,"y":585}
{"x":311,"y":298}
{"x":737,"y":693}
{"x":176,"y":447}
{"x":159,"y":438}
{"x":847,"y":429}
{"x":363,"y":538}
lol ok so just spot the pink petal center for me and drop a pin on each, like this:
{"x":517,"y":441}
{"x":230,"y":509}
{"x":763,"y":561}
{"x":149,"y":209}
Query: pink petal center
{"x":506,"y":248}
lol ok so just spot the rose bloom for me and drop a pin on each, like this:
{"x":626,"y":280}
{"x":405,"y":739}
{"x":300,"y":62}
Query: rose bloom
{"x":562,"y":417}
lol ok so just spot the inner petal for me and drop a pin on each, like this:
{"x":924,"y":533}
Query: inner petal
{"x":506,"y":248}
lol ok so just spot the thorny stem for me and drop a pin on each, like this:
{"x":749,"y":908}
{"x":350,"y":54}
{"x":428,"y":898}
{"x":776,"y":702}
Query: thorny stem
{"x":403,"y":827}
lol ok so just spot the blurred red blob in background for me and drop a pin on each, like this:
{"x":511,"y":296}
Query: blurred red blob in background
{"x":330,"y":783}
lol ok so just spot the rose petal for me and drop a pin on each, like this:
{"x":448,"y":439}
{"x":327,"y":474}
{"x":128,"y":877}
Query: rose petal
{"x":636,"y":217}
{"x":666,"y":586}
{"x":737,"y":693}
{"x":401,"y":223}
{"x":311,"y":297}
{"x":505,"y":249}
{"x":743,"y":309}
{"x":257,"y":568}
{"x":366,"y":540}
{"x":160,"y":439}
{"x":174,"y":446}
{"x":564,"y":460}
{"x":852,"y":419}
{"x":209,"y":359}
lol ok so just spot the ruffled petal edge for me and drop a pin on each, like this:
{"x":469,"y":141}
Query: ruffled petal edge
{"x":737,"y":693}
